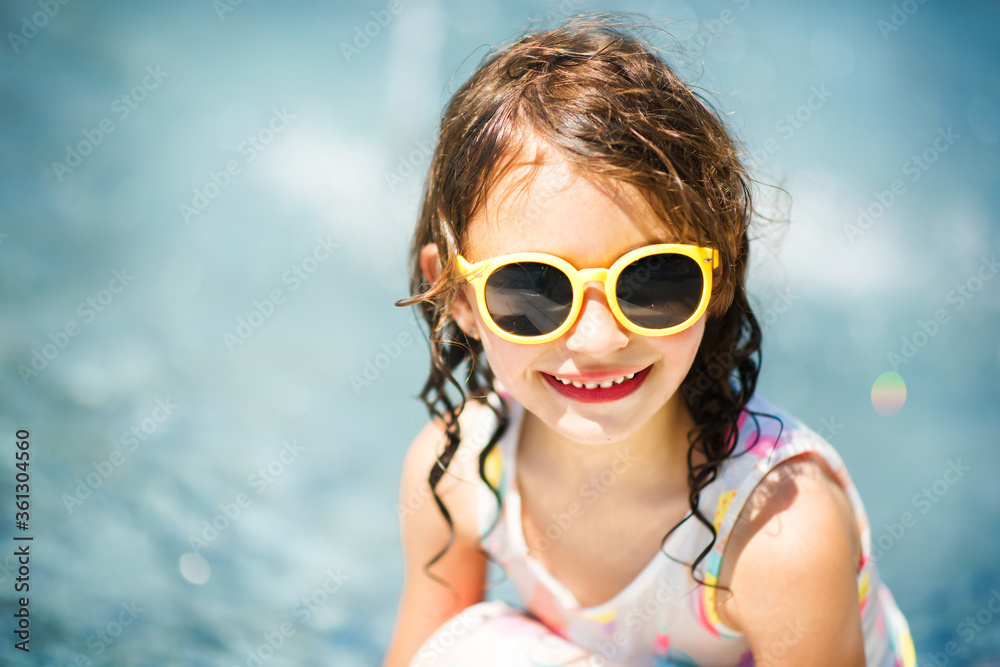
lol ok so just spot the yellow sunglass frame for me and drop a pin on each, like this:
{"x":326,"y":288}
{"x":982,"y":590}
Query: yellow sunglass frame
{"x":477,"y":273}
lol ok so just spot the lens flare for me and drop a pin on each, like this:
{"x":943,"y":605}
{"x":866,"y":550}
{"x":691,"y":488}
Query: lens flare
{"x":888,"y":393}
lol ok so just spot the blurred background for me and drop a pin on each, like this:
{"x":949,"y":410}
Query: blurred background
{"x":205,"y":214}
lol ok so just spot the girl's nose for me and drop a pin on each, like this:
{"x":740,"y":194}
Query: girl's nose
{"x":596,"y":332}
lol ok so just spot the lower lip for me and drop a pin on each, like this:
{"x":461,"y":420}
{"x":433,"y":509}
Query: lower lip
{"x":613,"y":393}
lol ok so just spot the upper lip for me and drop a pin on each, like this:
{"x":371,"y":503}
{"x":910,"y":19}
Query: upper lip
{"x":602,"y":375}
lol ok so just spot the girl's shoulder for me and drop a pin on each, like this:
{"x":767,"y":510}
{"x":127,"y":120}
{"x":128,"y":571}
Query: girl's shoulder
{"x":783,"y":473}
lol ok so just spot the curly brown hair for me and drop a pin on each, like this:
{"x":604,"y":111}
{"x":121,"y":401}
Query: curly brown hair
{"x":607,"y":103}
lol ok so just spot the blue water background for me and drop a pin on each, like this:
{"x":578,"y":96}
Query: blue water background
{"x":316,"y":546}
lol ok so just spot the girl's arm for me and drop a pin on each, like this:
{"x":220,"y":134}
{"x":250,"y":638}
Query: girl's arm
{"x":424,"y":603}
{"x":791,"y":564}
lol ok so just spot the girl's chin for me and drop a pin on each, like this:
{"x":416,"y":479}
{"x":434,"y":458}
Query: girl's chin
{"x":591,"y":428}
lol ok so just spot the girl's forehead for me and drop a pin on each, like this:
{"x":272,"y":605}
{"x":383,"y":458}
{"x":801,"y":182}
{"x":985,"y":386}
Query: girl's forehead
{"x":554,"y":209}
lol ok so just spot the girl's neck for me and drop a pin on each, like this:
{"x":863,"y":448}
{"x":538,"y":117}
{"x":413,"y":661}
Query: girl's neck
{"x":650,"y":462}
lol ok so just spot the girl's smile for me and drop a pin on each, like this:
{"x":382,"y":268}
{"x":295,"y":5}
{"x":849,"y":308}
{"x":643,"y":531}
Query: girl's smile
{"x":599,"y":387}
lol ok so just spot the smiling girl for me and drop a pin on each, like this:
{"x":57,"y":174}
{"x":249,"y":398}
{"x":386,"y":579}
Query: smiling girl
{"x":582,"y":245}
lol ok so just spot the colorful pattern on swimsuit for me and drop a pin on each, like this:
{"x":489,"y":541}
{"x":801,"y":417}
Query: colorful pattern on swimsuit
{"x":664,"y":617}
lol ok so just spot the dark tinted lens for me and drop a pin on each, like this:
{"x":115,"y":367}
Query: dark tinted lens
{"x":660,"y":291}
{"x":529,"y":299}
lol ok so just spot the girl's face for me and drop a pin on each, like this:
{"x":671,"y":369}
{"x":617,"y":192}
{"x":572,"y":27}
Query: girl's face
{"x":589,"y":223}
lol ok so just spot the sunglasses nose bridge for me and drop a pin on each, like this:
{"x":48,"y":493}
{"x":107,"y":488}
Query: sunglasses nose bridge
{"x":599,"y":276}
{"x":593,"y":275}
{"x":590,"y":277}
{"x":597,"y":325}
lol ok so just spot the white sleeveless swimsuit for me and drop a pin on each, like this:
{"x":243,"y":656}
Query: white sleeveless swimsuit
{"x":664,"y":617}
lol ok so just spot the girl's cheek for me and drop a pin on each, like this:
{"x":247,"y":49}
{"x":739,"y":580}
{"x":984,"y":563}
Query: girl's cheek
{"x":505,"y":354}
{"x":509,"y":361}
{"x":683,"y":347}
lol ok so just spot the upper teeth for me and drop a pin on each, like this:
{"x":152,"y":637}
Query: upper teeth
{"x":595,"y":385}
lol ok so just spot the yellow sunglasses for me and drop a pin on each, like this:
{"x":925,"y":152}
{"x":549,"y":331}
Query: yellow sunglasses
{"x":534,"y":297}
